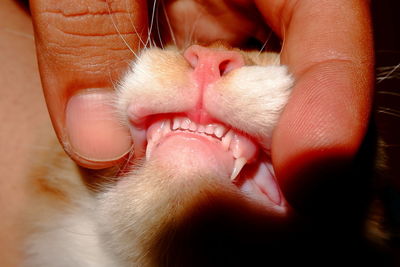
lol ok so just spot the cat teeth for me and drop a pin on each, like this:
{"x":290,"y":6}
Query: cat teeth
{"x":227,"y":139}
{"x":201,"y":129}
{"x":238,"y":166}
{"x":166,"y":126}
{"x":193,"y":127}
{"x":242,"y":148}
{"x":264,"y":179}
{"x":176,"y":124}
{"x":209,"y":129}
{"x":149,"y":149}
{"x":154,"y":136}
{"x":185,"y":124}
{"x":220,"y":131}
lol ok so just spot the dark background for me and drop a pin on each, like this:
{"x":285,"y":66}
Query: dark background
{"x":386,"y":117}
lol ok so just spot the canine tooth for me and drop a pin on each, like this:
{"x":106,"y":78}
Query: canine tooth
{"x":140,"y":137}
{"x":265,"y":179}
{"x":176,"y":124}
{"x":149,"y":149}
{"x":234,"y":146}
{"x":239,"y":163}
{"x":210,"y":129}
{"x":226,"y":140}
{"x":166,"y":126}
{"x":219,"y":131}
{"x":193,"y":127}
{"x":155,"y":135}
{"x":185,"y":124}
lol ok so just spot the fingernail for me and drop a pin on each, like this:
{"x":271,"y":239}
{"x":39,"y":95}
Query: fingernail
{"x":93,"y":131}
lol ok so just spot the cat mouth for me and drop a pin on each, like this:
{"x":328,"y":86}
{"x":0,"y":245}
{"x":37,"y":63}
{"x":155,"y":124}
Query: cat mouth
{"x":187,"y":145}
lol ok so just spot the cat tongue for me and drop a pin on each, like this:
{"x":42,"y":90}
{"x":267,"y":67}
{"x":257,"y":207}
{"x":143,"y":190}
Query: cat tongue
{"x":200,"y":148}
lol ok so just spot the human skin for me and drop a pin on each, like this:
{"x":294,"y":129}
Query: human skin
{"x":23,"y":117}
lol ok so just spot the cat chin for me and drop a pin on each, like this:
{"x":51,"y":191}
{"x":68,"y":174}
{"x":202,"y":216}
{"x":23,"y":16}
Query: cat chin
{"x":155,"y":211}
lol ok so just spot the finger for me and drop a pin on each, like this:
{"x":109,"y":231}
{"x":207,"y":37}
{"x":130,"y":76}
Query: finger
{"x":328,"y":48}
{"x":83,"y":47}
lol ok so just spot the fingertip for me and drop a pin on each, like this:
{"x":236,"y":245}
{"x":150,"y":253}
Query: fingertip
{"x":320,"y":132}
{"x":93,"y":137}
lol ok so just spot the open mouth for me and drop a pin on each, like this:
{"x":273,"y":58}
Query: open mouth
{"x":188,"y":145}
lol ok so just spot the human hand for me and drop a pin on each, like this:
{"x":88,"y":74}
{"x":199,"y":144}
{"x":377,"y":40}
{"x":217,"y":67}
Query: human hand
{"x":327,"y":46}
{"x":82,"y":52}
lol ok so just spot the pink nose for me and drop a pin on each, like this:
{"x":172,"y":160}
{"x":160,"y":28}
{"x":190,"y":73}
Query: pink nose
{"x":211,"y":64}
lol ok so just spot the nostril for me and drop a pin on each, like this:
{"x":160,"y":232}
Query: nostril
{"x":192,"y":58}
{"x":233,"y":61}
{"x":223,"y":67}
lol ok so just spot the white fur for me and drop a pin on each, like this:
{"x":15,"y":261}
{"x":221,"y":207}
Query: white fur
{"x":67,"y":240}
{"x":60,"y":224}
{"x":250,"y":98}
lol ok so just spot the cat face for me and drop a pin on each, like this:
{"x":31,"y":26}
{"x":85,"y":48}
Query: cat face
{"x":201,"y":121}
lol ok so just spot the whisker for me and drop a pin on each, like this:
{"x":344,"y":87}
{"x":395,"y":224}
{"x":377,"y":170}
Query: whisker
{"x":19,"y":33}
{"x":283,"y":40}
{"x":119,"y":33}
{"x":265,"y":43}
{"x":169,"y":24}
{"x":190,"y":40}
{"x":151,"y":22}
{"x":158,"y":27}
{"x":192,"y":30}
{"x":389,"y":145}
{"x":134,"y":28}
{"x":389,"y":111}
{"x":388,"y":93}
{"x":387,"y":72}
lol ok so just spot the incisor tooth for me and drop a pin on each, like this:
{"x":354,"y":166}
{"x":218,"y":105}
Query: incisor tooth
{"x":239,"y":163}
{"x":166,"y":126}
{"x":185,"y":124}
{"x":210,"y":129}
{"x":201,"y":128}
{"x":176,"y":124}
{"x":193,"y":127}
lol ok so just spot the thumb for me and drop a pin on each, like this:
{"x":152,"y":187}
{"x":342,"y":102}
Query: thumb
{"x":83,"y":47}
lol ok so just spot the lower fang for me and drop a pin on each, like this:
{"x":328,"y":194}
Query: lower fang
{"x":149,"y":150}
{"x":265,"y":179}
{"x":238,"y":166}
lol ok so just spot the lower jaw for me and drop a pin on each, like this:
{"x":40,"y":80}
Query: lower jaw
{"x":187,"y":154}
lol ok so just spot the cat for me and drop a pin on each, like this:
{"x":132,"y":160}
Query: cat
{"x":198,"y":188}
{"x":193,"y":136}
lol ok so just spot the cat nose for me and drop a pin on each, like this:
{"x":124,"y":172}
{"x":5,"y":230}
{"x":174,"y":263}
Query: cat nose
{"x":210,"y":63}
